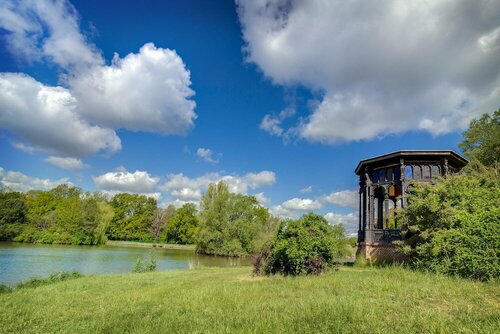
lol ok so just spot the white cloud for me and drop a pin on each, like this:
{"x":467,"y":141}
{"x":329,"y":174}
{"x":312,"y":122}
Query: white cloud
{"x":144,"y":91}
{"x":349,"y":221}
{"x":66,"y":163}
{"x":272,"y":124}
{"x":302,"y":204}
{"x":185,"y":188}
{"x":379,"y":69}
{"x":44,"y":119}
{"x":18,"y":181}
{"x":344,"y":198}
{"x":306,"y":189}
{"x":39,"y":29}
{"x":206,"y":154}
{"x":263,"y":200}
{"x":147,"y":91}
{"x":121,"y":180}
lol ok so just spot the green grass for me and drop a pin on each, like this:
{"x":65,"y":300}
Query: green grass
{"x":229,"y":300}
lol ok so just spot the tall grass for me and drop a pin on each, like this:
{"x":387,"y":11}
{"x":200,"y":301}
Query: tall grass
{"x":230,"y":300}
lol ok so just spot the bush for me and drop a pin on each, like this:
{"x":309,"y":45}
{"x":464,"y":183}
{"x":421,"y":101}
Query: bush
{"x":454,"y":227}
{"x":143,"y":266}
{"x":308,"y":245}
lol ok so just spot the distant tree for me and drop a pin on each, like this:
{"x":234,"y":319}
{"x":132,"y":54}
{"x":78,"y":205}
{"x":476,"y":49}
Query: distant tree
{"x":13,"y":211}
{"x":308,"y":245}
{"x":161,"y":218}
{"x":230,"y":224}
{"x":133,"y":216}
{"x":106,"y":214}
{"x":481,"y":141}
{"x":183,"y":225}
{"x":62,"y":215}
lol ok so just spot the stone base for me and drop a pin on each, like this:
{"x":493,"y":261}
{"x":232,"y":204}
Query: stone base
{"x":379,"y":252}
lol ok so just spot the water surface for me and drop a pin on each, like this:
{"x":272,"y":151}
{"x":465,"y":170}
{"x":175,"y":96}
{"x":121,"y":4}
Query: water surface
{"x":20,"y":261}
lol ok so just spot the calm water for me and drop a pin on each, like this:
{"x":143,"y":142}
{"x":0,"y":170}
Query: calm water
{"x":19,"y":262}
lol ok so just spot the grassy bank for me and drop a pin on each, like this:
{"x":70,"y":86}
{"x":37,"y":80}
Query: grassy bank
{"x":229,"y":300}
{"x":148,"y":245}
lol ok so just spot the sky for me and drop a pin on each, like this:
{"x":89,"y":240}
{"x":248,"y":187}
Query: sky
{"x":279,"y":98}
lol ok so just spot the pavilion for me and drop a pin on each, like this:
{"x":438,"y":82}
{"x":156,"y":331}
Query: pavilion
{"x":384,"y":184}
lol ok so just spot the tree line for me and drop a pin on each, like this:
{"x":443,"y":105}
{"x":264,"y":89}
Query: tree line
{"x":225,"y":224}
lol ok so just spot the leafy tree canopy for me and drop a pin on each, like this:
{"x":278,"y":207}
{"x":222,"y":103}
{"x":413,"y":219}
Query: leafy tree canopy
{"x":481,"y":141}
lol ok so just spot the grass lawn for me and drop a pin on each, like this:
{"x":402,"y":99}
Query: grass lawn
{"x":229,"y":300}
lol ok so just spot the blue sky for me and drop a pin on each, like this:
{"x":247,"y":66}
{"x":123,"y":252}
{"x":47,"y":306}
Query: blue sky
{"x":280,"y":100}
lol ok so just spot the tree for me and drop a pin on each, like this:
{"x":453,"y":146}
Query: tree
{"x":133,"y":216}
{"x":161,"y":218}
{"x":481,"y":141}
{"x":308,"y":245}
{"x":230,"y":224}
{"x":183,"y":226}
{"x":453,"y":227}
{"x":13,"y":211}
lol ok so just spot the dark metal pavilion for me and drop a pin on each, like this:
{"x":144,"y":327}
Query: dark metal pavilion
{"x":384,"y":184}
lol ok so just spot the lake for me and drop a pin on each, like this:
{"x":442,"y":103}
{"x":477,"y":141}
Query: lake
{"x":19,"y":261}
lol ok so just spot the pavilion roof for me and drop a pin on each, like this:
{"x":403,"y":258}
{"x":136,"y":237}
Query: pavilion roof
{"x":454,"y":159}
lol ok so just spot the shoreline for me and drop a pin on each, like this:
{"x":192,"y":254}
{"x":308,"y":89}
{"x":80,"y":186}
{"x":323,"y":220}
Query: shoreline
{"x":138,"y":244}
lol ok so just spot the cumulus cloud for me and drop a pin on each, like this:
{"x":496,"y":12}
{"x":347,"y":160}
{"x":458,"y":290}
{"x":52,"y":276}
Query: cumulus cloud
{"x":121,"y":180}
{"x":349,"y":221}
{"x":292,"y":208}
{"x":207,"y":155}
{"x":144,"y":91}
{"x":184,"y":188}
{"x":44,"y":119}
{"x":66,"y":163}
{"x":378,"y":69}
{"x":49,"y":30}
{"x":263,"y":199}
{"x":18,"y":181}
{"x":344,"y":198}
{"x":304,"y":204}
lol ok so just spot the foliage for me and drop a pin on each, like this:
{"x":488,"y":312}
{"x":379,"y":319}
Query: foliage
{"x":229,"y":300}
{"x":481,"y":141}
{"x":63,"y":215}
{"x":106,"y":214}
{"x":13,"y":212}
{"x":183,"y":225}
{"x":161,"y":217}
{"x":145,"y":265}
{"x":133,"y":216}
{"x":453,"y":227}
{"x":308,"y":245}
{"x":53,"y":278}
{"x":230,"y":224}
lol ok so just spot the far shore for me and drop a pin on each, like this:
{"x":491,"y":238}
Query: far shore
{"x":138,"y":244}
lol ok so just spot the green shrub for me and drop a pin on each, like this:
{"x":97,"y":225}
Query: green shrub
{"x":454,"y":227}
{"x":308,"y":245}
{"x":145,"y":265}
